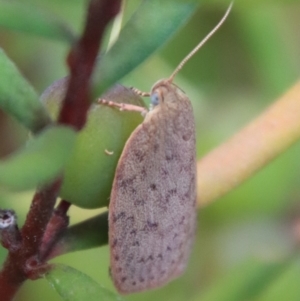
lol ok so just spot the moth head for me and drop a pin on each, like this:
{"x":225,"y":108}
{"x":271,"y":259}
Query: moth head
{"x":159,"y":92}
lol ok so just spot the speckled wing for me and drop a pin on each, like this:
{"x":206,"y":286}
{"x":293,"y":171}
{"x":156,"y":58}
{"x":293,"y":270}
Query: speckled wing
{"x":152,"y":216}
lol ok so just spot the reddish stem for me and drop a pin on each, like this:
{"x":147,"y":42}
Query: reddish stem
{"x":19,"y":265}
{"x":63,"y":207}
{"x":56,"y":226}
{"x":38,"y":218}
{"x":15,"y":269}
{"x":81,"y":61}
{"x":11,"y":278}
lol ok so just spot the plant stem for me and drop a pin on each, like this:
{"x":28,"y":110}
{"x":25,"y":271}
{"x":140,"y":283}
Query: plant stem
{"x":20,"y":265}
{"x":252,"y":148}
{"x":57,"y":225}
{"x":14,"y":271}
{"x":81,"y":61}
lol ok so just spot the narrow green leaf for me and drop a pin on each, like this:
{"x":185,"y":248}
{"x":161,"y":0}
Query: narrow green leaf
{"x":107,"y":129}
{"x":30,"y":19}
{"x":149,"y":28}
{"x":40,"y":161}
{"x":18,"y":98}
{"x":245,"y":282}
{"x":88,"y":234}
{"x":72,"y":285}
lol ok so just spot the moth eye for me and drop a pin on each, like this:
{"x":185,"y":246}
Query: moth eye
{"x":154,"y":99}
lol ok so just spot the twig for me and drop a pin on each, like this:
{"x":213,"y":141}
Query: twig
{"x":81,"y":61}
{"x":26,"y":261}
{"x":252,"y":148}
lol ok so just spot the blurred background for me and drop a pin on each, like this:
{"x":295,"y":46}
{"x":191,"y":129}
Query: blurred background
{"x":250,"y":62}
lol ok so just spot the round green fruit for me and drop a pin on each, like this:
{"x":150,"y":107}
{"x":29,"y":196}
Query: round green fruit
{"x":89,"y":173}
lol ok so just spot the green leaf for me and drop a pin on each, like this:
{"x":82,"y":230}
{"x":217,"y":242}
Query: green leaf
{"x":72,"y":285}
{"x":245,"y":282}
{"x":90,"y":169}
{"x":153,"y":23}
{"x":28,"y":18}
{"x":40,"y":161}
{"x":88,"y":234}
{"x":18,"y":98}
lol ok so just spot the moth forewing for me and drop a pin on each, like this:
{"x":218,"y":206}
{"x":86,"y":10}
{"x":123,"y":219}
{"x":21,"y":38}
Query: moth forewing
{"x":152,"y":216}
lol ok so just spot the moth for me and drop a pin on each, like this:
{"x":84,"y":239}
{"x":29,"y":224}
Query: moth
{"x":152,"y":211}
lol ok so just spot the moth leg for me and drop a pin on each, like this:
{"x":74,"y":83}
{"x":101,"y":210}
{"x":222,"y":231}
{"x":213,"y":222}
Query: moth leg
{"x":124,"y":106}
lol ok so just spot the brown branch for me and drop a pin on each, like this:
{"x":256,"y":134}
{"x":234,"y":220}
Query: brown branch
{"x":38,"y":218}
{"x":81,"y":61}
{"x":57,"y":224}
{"x":25,"y":262}
{"x":15,"y":269}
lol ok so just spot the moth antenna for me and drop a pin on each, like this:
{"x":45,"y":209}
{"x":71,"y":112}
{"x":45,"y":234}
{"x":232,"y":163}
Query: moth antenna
{"x":139,"y":92}
{"x":182,"y":63}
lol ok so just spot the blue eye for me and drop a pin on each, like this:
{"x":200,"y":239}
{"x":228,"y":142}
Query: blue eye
{"x":154,"y":99}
